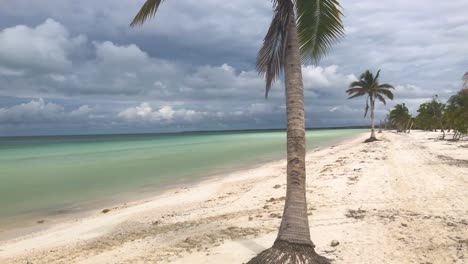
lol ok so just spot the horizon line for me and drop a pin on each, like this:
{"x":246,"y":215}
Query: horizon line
{"x":183,"y":132}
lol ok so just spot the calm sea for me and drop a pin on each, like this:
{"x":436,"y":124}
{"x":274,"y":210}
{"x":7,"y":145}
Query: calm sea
{"x":53,"y":174}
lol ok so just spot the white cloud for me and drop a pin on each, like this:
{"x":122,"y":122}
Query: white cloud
{"x":146,"y":113}
{"x":108,"y":52}
{"x":261,"y":108}
{"x":57,"y":77}
{"x":334,"y":109}
{"x":326,"y":78}
{"x":45,"y":47}
{"x":40,"y":111}
{"x":9,"y":72}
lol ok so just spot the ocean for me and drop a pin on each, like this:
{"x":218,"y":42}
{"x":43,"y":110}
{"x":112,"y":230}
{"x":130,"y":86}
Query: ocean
{"x":46,"y":175}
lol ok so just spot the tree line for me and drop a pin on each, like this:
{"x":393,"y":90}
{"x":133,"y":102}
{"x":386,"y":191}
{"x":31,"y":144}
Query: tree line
{"x":435,"y":115}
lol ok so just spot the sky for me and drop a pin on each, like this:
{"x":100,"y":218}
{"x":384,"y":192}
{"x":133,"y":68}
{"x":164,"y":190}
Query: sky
{"x":76,"y":67}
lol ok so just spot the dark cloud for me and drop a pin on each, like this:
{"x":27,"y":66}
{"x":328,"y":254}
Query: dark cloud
{"x":192,"y":67}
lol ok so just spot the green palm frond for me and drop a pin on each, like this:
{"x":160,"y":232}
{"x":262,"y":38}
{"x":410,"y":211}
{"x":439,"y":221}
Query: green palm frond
{"x":319,"y":26}
{"x":386,"y":86}
{"x":381,"y":98}
{"x":357,"y":95}
{"x":385,"y":92}
{"x":368,"y":78}
{"x":376,"y":79}
{"x":147,"y":11}
{"x":270,"y":58}
{"x":357,"y":84}
{"x":356,"y":90}
{"x":368,"y":84}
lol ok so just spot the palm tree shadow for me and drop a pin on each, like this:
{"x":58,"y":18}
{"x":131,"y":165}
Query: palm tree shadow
{"x":252,"y":246}
{"x":372,"y":139}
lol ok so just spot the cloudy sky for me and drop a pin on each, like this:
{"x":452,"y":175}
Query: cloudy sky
{"x":71,"y":67}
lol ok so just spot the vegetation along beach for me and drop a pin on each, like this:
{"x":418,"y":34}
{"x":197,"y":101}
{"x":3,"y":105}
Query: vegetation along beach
{"x":253,"y":132}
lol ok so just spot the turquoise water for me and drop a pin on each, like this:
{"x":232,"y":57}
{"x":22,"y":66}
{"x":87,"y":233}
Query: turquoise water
{"x":50,"y":174}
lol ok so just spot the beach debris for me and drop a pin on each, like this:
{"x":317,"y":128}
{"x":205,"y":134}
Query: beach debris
{"x":352,"y":180}
{"x":40,"y":221}
{"x":275,"y":215}
{"x":273,"y":200}
{"x":105,"y":211}
{"x":310,"y":209}
{"x":276,"y":186}
{"x":356,"y":214}
{"x":334,"y":243}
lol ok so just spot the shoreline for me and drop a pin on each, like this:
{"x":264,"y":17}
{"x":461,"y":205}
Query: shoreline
{"x":26,"y":224}
{"x":405,"y":190}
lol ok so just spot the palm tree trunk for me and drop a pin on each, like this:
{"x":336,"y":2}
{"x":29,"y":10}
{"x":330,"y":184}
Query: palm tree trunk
{"x":294,"y":226}
{"x":372,"y":118}
{"x":407,"y":125}
{"x":293,"y":244}
{"x":442,"y":129}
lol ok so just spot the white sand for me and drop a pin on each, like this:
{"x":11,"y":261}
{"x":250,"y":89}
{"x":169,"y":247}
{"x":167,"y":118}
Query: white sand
{"x":408,"y":196}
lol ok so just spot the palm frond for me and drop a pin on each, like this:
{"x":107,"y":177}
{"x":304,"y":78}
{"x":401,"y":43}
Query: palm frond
{"x":357,"y":95}
{"x":381,"y":98}
{"x":147,"y":11}
{"x":376,"y":78}
{"x":270,"y":58}
{"x":319,"y":27}
{"x":357,"y":84}
{"x":355,"y":90}
{"x":386,"y":86}
{"x":368,"y":78}
{"x":385,"y":92}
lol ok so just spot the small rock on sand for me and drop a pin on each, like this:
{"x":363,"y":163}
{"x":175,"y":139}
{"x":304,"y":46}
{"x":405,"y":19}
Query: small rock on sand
{"x":334,"y":243}
{"x":105,"y":211}
{"x":274,"y":215}
{"x":40,"y":221}
{"x":277,"y":186}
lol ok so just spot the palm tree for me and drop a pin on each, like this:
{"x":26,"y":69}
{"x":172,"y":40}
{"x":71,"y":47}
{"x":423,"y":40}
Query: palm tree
{"x":438,"y":110}
{"x":369,"y":85}
{"x":457,"y":110}
{"x":399,"y":117}
{"x":299,"y":28}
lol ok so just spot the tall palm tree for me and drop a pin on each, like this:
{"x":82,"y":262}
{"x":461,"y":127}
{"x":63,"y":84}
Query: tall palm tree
{"x":369,"y":85}
{"x":304,"y":29}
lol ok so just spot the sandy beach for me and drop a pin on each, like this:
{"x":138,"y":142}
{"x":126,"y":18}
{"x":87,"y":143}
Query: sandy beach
{"x":402,"y":199}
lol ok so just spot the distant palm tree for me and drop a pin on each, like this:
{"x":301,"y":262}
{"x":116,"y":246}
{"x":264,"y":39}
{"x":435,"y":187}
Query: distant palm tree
{"x":399,"y":117}
{"x":300,"y":28}
{"x":369,"y":85}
